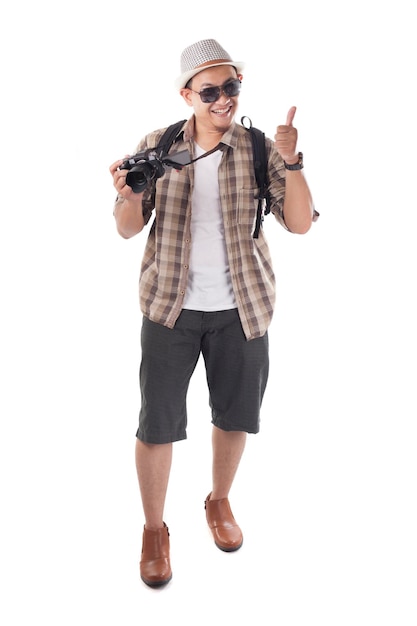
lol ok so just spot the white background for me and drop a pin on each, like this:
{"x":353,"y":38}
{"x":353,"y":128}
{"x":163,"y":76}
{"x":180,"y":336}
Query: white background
{"x":326,"y":493}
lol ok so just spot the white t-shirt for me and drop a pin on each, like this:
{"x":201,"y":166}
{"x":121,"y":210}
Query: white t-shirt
{"x":209,"y":285}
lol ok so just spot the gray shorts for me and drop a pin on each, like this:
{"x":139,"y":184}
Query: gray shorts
{"x":236,"y":370}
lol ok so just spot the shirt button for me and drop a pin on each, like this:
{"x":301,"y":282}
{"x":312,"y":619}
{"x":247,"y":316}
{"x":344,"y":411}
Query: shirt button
{"x":186,"y":267}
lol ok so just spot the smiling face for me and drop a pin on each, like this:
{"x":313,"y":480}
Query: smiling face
{"x":212,"y":116}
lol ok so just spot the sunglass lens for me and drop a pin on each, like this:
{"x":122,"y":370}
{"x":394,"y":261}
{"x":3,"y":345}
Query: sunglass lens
{"x":232,"y":88}
{"x":210,"y":94}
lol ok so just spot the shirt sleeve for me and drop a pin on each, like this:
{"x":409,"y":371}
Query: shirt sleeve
{"x":276,"y":174}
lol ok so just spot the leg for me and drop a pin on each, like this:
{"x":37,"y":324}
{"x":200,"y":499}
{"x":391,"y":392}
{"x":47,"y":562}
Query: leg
{"x":168,"y":361}
{"x":237,"y":371}
{"x":228,"y":448}
{"x":153,"y":465}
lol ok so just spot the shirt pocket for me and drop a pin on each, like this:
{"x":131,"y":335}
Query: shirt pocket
{"x":247,"y":207}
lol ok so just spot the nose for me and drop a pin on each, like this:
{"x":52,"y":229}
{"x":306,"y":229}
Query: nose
{"x":222,"y":96}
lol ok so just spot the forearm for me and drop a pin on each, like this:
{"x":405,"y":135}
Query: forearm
{"x":298,"y":203}
{"x":129,"y":216}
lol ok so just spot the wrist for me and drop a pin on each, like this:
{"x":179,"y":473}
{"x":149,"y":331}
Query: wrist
{"x":134,"y":201}
{"x":295,"y":162}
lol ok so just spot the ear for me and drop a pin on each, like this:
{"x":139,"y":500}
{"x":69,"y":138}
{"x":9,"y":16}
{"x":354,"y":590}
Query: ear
{"x":186,"y":94}
{"x":240,"y":76}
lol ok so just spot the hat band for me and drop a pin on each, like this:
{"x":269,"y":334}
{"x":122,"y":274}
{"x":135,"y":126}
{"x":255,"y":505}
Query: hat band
{"x":213,"y":62}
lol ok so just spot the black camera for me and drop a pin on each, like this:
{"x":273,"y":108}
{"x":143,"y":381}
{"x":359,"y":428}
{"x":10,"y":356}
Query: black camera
{"x":150,"y":165}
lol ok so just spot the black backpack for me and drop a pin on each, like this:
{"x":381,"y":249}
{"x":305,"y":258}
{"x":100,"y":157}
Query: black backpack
{"x":259,"y":163}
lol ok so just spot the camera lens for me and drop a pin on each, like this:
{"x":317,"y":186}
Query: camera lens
{"x":138,"y":177}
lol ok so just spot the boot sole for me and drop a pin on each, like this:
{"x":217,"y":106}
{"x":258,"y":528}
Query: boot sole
{"x":159,"y":583}
{"x":228,"y":549}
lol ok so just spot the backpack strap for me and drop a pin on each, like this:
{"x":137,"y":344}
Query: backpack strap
{"x":169,"y":137}
{"x":261,"y":172}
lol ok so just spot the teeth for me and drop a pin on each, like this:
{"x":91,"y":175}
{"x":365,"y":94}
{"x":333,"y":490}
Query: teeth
{"x":221,"y":110}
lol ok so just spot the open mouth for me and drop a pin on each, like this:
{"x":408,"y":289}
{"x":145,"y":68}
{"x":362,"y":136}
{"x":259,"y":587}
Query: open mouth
{"x":222,"y":111}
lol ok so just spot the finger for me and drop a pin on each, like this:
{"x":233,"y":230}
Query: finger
{"x":120,"y":179}
{"x":113,"y":167}
{"x":290,"y":116}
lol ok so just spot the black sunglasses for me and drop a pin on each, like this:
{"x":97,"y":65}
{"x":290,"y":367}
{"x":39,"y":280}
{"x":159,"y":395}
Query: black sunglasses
{"x":212,"y":94}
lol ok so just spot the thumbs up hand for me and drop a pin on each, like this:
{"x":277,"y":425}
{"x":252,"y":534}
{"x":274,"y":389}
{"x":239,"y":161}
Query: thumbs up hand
{"x":286,"y":139}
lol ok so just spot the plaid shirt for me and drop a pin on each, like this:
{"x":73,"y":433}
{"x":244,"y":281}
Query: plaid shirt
{"x":164,"y":270}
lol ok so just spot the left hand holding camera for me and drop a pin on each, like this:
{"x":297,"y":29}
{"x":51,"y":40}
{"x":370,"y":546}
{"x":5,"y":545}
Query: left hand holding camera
{"x":119,"y":181}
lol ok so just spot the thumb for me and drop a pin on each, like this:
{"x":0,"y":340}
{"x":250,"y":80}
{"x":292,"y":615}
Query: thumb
{"x":290,"y":116}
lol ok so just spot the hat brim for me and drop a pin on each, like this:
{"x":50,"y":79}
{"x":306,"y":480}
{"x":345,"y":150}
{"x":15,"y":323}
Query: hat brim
{"x":182,"y":80}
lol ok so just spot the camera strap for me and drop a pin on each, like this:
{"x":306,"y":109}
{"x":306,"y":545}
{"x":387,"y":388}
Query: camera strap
{"x":218,"y":147}
{"x":170,"y":136}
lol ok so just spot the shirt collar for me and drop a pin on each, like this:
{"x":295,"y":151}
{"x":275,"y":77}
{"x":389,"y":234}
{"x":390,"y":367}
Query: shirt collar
{"x":229,"y":138}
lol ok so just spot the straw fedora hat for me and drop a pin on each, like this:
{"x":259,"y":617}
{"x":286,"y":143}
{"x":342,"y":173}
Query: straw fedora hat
{"x":201,"y":55}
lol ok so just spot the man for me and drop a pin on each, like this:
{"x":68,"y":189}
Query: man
{"x":206,"y":287}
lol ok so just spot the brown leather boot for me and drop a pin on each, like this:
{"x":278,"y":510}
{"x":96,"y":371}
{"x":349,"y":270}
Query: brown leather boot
{"x":227,"y":534}
{"x":155,"y":567}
